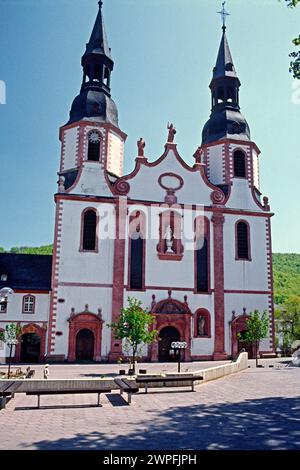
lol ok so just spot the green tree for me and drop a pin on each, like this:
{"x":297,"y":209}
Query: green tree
{"x":134,"y":327}
{"x":10,"y":337}
{"x":295,"y":55}
{"x":257,"y":327}
{"x":288,"y":321}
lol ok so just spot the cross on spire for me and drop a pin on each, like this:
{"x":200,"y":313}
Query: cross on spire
{"x":223,"y":14}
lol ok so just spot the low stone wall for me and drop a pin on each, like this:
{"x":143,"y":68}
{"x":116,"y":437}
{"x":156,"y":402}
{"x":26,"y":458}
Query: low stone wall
{"x":213,"y":373}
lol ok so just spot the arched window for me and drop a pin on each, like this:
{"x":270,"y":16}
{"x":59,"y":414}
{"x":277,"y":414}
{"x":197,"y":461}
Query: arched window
{"x":221,"y":94}
{"x":137,"y":249}
{"x":28,"y":304}
{"x":202,"y":324}
{"x":242,"y":241}
{"x":239,"y":163}
{"x":89,"y":230}
{"x":202,"y":255}
{"x":94,"y":146}
{"x":231,"y":96}
{"x":170,"y":245}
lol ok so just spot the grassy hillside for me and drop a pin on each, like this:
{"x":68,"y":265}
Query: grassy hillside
{"x":286,"y":270}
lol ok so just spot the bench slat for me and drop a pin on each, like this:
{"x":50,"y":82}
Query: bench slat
{"x":67,"y":391}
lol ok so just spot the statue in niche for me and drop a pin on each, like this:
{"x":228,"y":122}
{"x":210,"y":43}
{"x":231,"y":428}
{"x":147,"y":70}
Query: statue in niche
{"x":201,"y":326}
{"x":169,"y":239}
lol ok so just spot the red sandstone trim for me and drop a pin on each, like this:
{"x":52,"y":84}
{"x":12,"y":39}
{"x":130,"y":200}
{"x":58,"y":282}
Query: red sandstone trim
{"x":83,"y":284}
{"x":219,"y":304}
{"x":118,"y":274}
{"x":113,"y":200}
{"x":38,"y":330}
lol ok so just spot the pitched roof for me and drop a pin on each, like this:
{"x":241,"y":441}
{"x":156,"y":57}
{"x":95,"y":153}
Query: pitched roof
{"x":26,"y":272}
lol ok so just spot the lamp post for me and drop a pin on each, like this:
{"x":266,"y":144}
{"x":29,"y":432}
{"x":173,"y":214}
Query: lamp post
{"x":5,"y":295}
{"x":178,"y":346}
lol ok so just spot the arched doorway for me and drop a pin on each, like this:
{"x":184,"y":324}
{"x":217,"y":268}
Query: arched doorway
{"x":85,"y":342}
{"x":238,"y":330}
{"x":245,"y":345}
{"x":30,"y":348}
{"x":166,"y":336}
{"x":85,"y":334}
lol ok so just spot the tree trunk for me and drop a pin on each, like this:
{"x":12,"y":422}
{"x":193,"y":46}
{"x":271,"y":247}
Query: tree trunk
{"x":133,"y":360}
{"x":9,"y":360}
{"x":256,"y":352}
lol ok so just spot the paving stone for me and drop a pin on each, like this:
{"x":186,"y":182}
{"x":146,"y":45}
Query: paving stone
{"x":254,"y":409}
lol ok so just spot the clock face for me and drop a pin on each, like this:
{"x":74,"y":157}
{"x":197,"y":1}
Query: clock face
{"x":94,"y":137}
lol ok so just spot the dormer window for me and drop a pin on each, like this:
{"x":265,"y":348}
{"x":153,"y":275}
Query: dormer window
{"x":94,"y":144}
{"x":3,"y":277}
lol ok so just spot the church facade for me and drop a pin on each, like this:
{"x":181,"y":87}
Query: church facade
{"x":192,"y":243}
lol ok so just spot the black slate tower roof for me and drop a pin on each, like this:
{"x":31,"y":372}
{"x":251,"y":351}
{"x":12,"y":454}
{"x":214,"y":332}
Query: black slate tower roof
{"x":26,"y":272}
{"x":226,"y":120}
{"x":94,"y":101}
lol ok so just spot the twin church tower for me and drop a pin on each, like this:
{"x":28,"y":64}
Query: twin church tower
{"x":120,"y":236}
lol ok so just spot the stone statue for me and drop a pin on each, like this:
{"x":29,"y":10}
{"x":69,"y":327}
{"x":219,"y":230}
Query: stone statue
{"x":172,"y":132}
{"x":169,"y":239}
{"x":141,"y":146}
{"x":201,"y":326}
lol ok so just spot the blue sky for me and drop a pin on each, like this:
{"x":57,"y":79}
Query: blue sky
{"x":164,"y":52}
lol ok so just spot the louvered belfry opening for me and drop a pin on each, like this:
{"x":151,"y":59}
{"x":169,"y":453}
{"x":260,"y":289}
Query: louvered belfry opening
{"x":89,"y":231}
{"x":242,"y":240}
{"x":239,"y":164}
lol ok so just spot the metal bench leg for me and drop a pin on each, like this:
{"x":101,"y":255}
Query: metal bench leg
{"x":146,"y":388}
{"x":193,"y":386}
{"x":39,"y":401}
{"x":129,"y":398}
{"x":2,"y":402}
{"x":99,"y":400}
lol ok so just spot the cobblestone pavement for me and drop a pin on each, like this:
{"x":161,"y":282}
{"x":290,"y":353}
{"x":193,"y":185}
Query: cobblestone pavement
{"x":254,"y":409}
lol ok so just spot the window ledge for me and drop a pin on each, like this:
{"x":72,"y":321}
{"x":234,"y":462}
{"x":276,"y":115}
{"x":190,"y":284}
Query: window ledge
{"x":170,"y":256}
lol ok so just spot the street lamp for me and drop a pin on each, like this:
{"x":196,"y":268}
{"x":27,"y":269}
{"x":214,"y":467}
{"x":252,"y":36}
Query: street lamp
{"x":178,"y":346}
{"x":6,"y":294}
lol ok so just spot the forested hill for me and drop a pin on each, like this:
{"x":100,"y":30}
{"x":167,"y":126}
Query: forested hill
{"x":286,"y":269}
{"x":34,"y":250}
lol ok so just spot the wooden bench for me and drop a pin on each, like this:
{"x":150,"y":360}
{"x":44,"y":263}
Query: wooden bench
{"x":165,"y":380}
{"x":7,"y":391}
{"x":68,"y":391}
{"x":127,"y":386}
